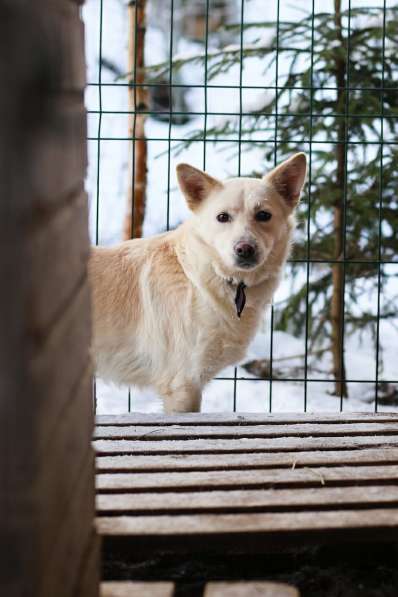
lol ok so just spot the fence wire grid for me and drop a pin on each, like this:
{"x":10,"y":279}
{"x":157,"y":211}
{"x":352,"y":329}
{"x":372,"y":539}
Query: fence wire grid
{"x":234,"y":87}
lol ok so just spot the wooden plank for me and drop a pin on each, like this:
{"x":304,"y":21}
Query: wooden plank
{"x":235,"y":532}
{"x":63,"y":266}
{"x":62,"y":460}
{"x":247,"y":500}
{"x":243,"y":418}
{"x":204,"y":446}
{"x":67,"y":37}
{"x":42,"y":163}
{"x":244,"y":479}
{"x":137,"y":589}
{"x":19,"y":71}
{"x":173,"y":462}
{"x":61,"y":153}
{"x":60,"y":363}
{"x":249,"y":589}
{"x":89,"y":574}
{"x":213,"y":589}
{"x":62,"y":566}
{"x":70,"y":32}
{"x":170,"y":432}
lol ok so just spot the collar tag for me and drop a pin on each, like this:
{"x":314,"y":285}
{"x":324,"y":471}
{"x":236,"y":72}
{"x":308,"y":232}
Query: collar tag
{"x":240,"y":298}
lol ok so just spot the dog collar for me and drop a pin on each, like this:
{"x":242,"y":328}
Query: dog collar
{"x":240,"y":296}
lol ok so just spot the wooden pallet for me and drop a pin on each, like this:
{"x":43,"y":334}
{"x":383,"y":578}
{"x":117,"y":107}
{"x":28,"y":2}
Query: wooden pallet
{"x":246,"y":482}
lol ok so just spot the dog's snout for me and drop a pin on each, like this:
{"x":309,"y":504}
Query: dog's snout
{"x":245,"y":250}
{"x":246,"y":254}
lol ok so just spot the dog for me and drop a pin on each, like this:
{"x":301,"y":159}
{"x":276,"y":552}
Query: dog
{"x":172,"y":310}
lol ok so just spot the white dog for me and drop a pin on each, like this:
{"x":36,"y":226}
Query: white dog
{"x":171,"y":311}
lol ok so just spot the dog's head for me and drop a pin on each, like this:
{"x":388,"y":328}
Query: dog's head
{"x":243,"y":219}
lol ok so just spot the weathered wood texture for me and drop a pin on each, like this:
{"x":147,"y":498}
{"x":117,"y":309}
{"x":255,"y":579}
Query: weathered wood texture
{"x":89,"y":576}
{"x":249,"y":589}
{"x":246,"y":482}
{"x":47,"y":465}
{"x":231,"y":431}
{"x":294,"y":477}
{"x":240,"y":500}
{"x":242,"y":444}
{"x":137,"y":589}
{"x":138,"y":104}
{"x":212,"y":589}
{"x":243,"y":460}
{"x":243,"y":419}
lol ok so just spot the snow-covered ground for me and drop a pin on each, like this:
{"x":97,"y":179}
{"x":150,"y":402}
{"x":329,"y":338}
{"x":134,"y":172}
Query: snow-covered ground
{"x":107,"y":183}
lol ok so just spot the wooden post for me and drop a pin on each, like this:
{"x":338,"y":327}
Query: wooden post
{"x":337,"y":301}
{"x":48,"y":545}
{"x":136,"y":200}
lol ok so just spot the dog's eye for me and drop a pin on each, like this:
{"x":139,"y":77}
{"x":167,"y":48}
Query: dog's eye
{"x":263,"y":216}
{"x":223,"y":217}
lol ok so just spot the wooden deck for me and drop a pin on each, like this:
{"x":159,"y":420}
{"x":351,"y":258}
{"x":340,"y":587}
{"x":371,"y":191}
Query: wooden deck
{"x":249,"y":483}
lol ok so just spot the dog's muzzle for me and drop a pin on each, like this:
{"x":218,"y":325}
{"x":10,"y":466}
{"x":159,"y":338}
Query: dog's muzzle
{"x":245,"y":254}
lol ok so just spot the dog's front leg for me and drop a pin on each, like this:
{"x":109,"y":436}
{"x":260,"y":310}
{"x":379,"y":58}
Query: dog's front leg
{"x":183,"y":399}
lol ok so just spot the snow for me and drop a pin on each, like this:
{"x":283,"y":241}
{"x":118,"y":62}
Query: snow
{"x":113,"y":155}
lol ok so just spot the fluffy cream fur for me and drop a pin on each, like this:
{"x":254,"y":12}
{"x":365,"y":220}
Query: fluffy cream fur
{"x":163,"y":307}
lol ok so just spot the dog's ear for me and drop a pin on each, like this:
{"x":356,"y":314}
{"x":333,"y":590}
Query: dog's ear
{"x":288,"y":179}
{"x":195,"y":184}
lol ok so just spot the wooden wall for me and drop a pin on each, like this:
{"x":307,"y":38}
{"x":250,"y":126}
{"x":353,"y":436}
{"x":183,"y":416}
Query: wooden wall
{"x":48,"y":547}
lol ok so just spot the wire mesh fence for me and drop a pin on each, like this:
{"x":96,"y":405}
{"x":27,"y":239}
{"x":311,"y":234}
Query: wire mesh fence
{"x":235,"y":87}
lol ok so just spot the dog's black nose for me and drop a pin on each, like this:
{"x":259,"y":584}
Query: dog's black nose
{"x":245,"y":250}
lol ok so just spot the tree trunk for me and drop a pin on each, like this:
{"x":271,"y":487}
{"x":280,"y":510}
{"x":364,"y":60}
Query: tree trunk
{"x":136,"y":200}
{"x":337,"y":302}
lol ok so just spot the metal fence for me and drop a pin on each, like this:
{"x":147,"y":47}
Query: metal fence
{"x":250,"y":82}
